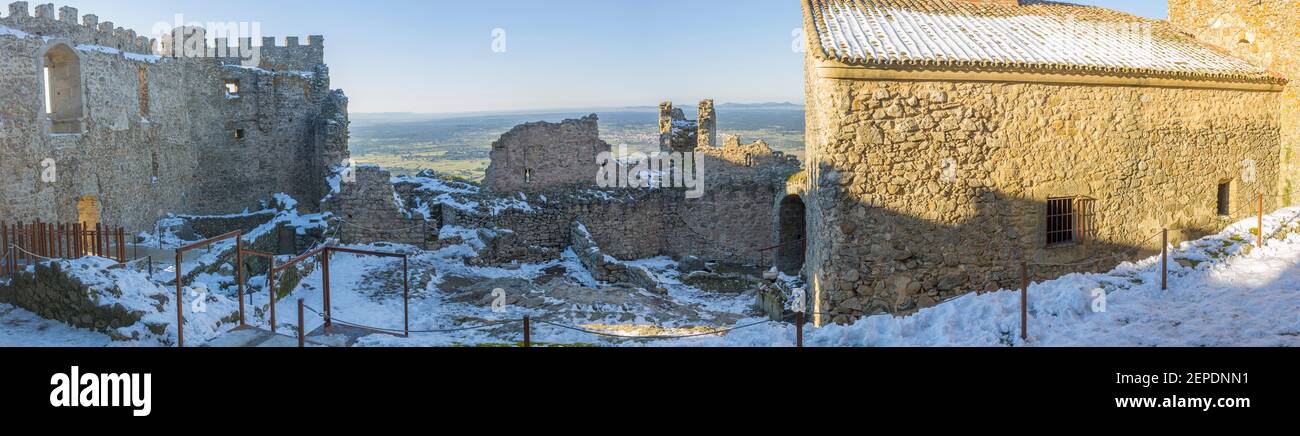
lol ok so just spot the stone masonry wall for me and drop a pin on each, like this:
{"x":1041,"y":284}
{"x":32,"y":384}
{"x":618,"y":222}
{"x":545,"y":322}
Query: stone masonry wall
{"x":922,"y":191}
{"x":369,"y":210}
{"x":1266,"y":33}
{"x":536,"y":157}
{"x":730,"y":223}
{"x":159,"y":132}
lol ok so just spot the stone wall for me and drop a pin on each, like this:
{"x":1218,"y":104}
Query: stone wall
{"x":708,"y":125}
{"x":730,"y":223}
{"x":541,"y":156}
{"x":678,"y":134}
{"x":51,"y":294}
{"x":369,"y":210}
{"x":158,"y":133}
{"x":606,"y":268}
{"x":921,"y":191}
{"x":1266,"y":33}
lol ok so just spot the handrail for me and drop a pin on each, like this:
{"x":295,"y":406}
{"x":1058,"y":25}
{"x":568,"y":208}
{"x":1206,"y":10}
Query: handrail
{"x":180,"y":296}
{"x":762,"y":250}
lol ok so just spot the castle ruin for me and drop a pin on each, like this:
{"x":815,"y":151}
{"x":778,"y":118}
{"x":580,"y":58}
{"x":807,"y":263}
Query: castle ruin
{"x":99,"y":123}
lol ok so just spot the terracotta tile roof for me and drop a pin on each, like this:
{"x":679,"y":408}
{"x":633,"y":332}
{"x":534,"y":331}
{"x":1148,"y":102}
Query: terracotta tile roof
{"x":1036,"y":36}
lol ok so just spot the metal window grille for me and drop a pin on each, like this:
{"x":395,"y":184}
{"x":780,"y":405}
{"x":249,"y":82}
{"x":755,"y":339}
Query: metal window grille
{"x":1070,"y":220}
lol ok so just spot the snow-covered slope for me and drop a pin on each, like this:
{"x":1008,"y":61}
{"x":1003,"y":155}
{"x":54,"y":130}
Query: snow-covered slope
{"x":1236,"y":296}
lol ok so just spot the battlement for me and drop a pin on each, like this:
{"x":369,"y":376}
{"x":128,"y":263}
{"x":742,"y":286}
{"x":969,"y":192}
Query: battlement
{"x":292,"y":55}
{"x":89,"y":30}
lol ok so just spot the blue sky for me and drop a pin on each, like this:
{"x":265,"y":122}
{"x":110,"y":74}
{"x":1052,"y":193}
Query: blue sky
{"x":436,"y":56}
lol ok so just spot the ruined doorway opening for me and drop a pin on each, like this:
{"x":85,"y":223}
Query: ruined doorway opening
{"x":793,"y":235}
{"x":88,"y":216}
{"x":88,"y":210}
{"x":63,"y":96}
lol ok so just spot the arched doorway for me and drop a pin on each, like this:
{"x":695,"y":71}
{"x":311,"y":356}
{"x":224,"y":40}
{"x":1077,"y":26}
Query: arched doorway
{"x":793,"y":235}
{"x":88,"y":215}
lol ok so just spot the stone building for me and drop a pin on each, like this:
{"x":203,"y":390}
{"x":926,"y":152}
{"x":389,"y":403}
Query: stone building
{"x":950,"y":140}
{"x":135,"y":128}
{"x":1266,"y":33}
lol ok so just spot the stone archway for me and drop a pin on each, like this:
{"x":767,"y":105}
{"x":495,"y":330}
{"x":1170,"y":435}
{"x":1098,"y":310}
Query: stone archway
{"x":63,"y":89}
{"x":793,"y":230}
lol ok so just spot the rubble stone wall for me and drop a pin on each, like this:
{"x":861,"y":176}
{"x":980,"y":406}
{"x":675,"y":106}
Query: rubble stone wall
{"x":158,"y":134}
{"x":926,"y":190}
{"x":1266,"y":33}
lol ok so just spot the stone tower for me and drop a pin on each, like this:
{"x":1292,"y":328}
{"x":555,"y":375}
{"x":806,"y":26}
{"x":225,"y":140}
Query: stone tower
{"x":708,"y":125}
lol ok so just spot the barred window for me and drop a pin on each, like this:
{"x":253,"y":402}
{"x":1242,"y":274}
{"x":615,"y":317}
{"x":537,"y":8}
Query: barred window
{"x":1070,"y":220}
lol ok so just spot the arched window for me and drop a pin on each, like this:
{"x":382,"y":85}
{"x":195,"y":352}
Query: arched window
{"x":63,"y":94}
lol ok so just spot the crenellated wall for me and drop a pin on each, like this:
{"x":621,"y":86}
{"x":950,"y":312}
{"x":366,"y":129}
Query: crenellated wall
{"x":65,"y":25}
{"x":158,"y":134}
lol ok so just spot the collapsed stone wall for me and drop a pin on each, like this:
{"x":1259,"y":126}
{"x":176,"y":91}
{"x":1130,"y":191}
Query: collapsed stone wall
{"x":729,"y":223}
{"x":158,"y":134}
{"x":606,"y":268}
{"x":678,"y":134}
{"x":51,"y":293}
{"x":536,"y":157}
{"x":1265,"y":33}
{"x":926,"y":190}
{"x":368,"y":210}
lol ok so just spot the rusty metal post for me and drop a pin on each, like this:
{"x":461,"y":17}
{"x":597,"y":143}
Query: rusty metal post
{"x":302,"y":338}
{"x":180,"y":305}
{"x":37,"y":248}
{"x":99,"y":240}
{"x":121,"y":245}
{"x":1261,"y":221}
{"x":239,"y":276}
{"x":1024,"y":301}
{"x":1164,"y":261}
{"x":798,"y":329}
{"x":4,"y":248}
{"x":37,"y":239}
{"x":27,"y":244}
{"x":325,"y":283}
{"x":528,"y":332}
{"x":406,"y":297}
{"x":270,"y":285}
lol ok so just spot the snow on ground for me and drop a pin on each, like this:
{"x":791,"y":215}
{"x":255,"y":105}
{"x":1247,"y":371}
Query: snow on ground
{"x":110,"y":285}
{"x":1223,"y":292}
{"x":1240,"y":296}
{"x":20,"y":328}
